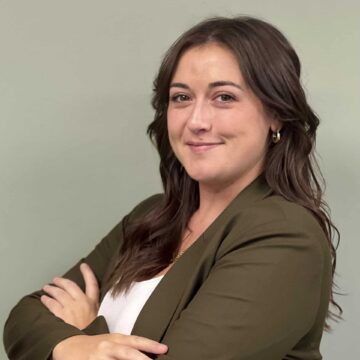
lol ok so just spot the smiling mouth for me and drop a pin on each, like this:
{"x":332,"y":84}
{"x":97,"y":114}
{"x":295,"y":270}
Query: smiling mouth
{"x":198,"y":148}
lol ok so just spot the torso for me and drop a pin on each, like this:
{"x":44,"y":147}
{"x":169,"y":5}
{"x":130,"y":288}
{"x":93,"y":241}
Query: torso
{"x":187,"y":241}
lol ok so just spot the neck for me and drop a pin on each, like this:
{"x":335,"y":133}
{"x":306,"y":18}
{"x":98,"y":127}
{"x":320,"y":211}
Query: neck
{"x":214,"y":199}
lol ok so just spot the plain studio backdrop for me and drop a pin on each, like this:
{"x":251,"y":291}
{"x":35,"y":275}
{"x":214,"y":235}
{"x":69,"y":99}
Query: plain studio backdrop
{"x":75,"y":86}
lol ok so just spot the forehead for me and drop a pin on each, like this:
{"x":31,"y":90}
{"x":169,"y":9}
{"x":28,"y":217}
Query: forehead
{"x":210,"y":61}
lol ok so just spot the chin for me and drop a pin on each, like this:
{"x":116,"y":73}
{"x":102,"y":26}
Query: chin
{"x":203,"y":177}
{"x":206,"y":173}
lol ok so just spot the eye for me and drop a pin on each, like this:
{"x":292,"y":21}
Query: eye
{"x":226,"y":98}
{"x":179,"y":98}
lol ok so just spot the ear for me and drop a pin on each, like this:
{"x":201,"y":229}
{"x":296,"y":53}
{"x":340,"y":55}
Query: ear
{"x":275,"y":124}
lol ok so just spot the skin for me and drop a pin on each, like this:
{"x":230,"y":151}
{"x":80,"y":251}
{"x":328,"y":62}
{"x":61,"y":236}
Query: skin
{"x":68,"y":302}
{"x":228,"y":115}
{"x":106,"y":347}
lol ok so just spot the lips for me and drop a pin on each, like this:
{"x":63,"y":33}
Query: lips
{"x":202,"y":143}
{"x":199,"y":147}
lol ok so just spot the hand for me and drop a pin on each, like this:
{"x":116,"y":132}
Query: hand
{"x":70,"y":303}
{"x":107,"y":347}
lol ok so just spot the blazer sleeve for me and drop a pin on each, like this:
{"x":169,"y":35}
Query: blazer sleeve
{"x":258,"y":301}
{"x":32,"y":331}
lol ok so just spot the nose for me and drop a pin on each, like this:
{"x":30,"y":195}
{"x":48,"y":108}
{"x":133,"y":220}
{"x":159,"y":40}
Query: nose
{"x":200,"y":117}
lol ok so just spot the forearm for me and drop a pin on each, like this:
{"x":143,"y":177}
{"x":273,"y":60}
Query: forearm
{"x":31,"y":331}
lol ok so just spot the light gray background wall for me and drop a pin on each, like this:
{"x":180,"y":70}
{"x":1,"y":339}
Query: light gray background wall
{"x":75,"y":85}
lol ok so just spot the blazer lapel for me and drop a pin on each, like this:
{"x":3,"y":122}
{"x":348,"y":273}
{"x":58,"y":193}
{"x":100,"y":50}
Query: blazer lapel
{"x":191,"y":269}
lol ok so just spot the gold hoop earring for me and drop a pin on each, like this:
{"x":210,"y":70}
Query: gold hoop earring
{"x":276,"y":136}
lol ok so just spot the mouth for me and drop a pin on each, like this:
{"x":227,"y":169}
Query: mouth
{"x":202,"y":147}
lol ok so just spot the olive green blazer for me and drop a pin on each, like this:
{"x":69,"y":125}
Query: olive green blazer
{"x":254,"y":286}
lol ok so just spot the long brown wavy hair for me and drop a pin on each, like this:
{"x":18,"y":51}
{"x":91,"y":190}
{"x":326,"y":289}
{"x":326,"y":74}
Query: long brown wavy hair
{"x":271,"y":69}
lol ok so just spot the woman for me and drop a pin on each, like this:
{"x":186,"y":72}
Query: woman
{"x":235,"y":259}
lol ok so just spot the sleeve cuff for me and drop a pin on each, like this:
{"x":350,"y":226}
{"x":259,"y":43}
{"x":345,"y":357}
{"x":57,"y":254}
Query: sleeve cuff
{"x":98,"y":326}
{"x":45,"y":349}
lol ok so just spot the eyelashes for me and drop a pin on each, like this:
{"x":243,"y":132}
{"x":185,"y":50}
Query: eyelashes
{"x":175,"y":98}
{"x":181,"y":98}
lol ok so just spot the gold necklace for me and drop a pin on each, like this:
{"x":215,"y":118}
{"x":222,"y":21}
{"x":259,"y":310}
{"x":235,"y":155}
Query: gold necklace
{"x":181,"y":252}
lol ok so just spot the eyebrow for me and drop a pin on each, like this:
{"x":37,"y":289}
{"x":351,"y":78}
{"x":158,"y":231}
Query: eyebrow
{"x":210,"y":86}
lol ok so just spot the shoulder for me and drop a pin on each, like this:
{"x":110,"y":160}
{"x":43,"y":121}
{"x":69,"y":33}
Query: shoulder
{"x":144,"y":206}
{"x":112,"y":239}
{"x":279,"y":232}
{"x":275,"y":219}
{"x":277,"y":211}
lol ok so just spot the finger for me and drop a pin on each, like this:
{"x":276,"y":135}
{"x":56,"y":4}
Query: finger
{"x":53,"y":306}
{"x":58,"y":294}
{"x":140,"y":343}
{"x":69,"y":286}
{"x":91,"y":283}
{"x":125,"y":353}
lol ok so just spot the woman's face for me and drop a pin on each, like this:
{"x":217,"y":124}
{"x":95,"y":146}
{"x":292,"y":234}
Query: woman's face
{"x":217,"y":130}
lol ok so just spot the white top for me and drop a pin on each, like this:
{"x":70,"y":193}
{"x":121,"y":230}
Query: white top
{"x":122,"y":311}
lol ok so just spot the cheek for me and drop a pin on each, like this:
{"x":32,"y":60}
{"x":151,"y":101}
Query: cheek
{"x":173,"y":125}
{"x":171,"y":133}
{"x":169,"y":124}
{"x":257,"y":140}
{"x":247,"y":137}
{"x":257,"y":128}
